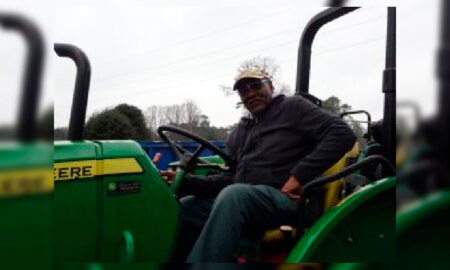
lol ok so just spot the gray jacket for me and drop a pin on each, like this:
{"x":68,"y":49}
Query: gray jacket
{"x":291,"y":137}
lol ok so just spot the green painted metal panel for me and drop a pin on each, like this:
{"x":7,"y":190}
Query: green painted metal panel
{"x":150,"y":215}
{"x":70,"y":151}
{"x":112,"y":266}
{"x":26,"y":224}
{"x":360,"y":229}
{"x":76,"y":207}
{"x":423,"y":229}
{"x":202,"y":172}
{"x":363,"y":266}
{"x":94,"y":214}
{"x":25,"y":156}
{"x":214,"y":159}
{"x":348,"y":266}
{"x":26,"y":228}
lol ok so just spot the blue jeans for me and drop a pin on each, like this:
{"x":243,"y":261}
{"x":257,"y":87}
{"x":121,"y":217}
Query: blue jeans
{"x":240,"y":211}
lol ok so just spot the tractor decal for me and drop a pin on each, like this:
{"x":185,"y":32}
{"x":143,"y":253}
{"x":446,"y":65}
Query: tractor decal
{"x":25,"y":182}
{"x":66,"y":171}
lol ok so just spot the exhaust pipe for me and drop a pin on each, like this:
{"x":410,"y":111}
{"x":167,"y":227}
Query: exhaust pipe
{"x":31,"y":84}
{"x":81,"y":92}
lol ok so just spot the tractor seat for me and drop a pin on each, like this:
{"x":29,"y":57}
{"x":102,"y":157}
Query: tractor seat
{"x":331,"y":197}
{"x":354,"y":152}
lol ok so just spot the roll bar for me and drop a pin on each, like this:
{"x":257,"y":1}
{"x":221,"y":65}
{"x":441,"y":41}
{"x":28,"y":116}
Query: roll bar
{"x":304,"y":49}
{"x":336,"y":3}
{"x":81,"y":92}
{"x":414,"y":106}
{"x":444,"y":85}
{"x":389,"y":89}
{"x":369,"y":119}
{"x":389,"y":73}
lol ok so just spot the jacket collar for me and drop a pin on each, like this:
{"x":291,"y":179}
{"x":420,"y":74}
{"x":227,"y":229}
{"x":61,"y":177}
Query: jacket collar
{"x":273,"y":103}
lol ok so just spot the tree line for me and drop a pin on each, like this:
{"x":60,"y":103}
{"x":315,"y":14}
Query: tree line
{"x":126,"y":121}
{"x":129,"y":122}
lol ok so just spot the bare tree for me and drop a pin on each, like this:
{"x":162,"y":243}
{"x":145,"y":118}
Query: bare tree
{"x":270,"y":67}
{"x":285,"y":89}
{"x":152,"y":117}
{"x":267,"y":64}
{"x":187,"y":113}
{"x":192,"y":112}
{"x":188,"y":116}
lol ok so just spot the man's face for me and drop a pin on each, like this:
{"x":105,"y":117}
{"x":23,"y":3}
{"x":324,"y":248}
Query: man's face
{"x":255,"y":94}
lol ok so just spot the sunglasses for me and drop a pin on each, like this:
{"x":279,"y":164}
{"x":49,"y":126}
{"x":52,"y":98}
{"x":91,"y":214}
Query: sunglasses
{"x":254,"y":85}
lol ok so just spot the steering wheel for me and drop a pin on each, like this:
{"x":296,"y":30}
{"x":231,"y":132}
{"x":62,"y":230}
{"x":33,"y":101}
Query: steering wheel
{"x":189,"y":161}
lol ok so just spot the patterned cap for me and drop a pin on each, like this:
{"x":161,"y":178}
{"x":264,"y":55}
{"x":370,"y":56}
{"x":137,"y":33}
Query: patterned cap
{"x":252,"y":72}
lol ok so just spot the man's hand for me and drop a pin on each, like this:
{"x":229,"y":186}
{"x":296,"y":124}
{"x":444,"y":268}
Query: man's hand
{"x":292,"y":188}
{"x":168,"y":176}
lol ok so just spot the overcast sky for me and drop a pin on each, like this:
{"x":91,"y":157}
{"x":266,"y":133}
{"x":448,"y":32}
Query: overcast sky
{"x":167,"y":52}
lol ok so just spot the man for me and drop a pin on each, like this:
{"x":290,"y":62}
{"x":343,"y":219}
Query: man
{"x":285,"y":143}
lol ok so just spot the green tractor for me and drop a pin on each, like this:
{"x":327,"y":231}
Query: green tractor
{"x":26,"y":184}
{"x":112,"y":205}
{"x":358,"y":226}
{"x":423,"y":227}
{"x":369,"y":145}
